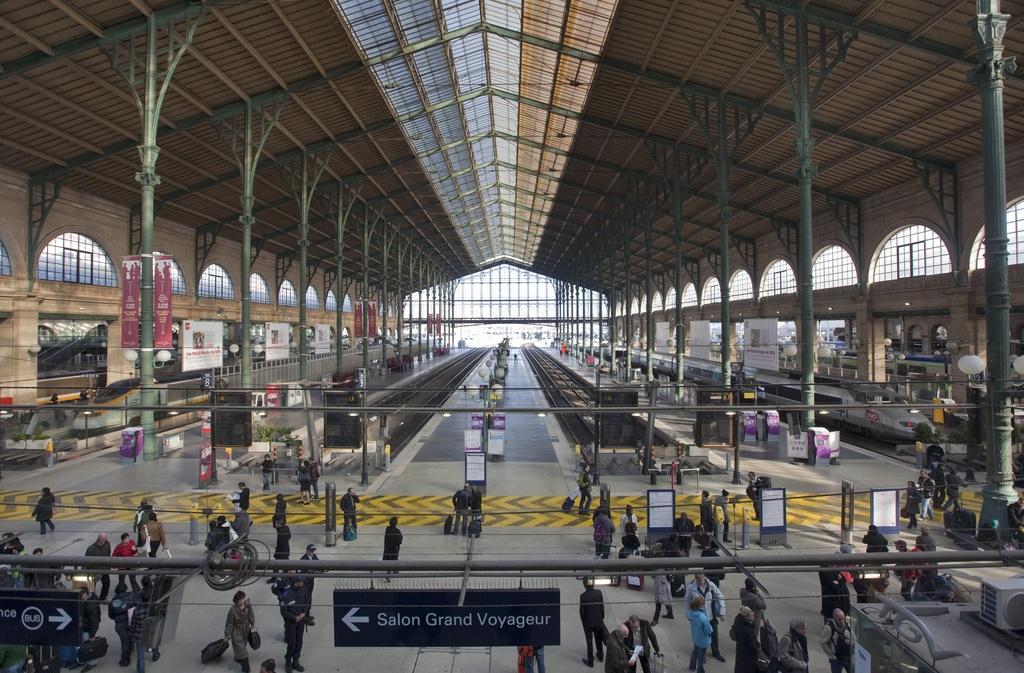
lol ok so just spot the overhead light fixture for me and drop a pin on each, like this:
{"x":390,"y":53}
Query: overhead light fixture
{"x":446,"y":415}
{"x":541,"y":414}
{"x":906,"y":303}
{"x":915,"y":411}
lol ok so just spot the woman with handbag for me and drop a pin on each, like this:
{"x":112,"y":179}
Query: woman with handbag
{"x":240,"y":630}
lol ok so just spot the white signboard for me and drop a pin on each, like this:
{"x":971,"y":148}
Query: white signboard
{"x":472,"y":440}
{"x":660,"y":510}
{"x":496,"y":442}
{"x":761,"y":344}
{"x":276,"y":347}
{"x":885,"y":510}
{"x":476,"y":468}
{"x":773,"y":508}
{"x":700,"y":339}
{"x":322,"y":339}
{"x":202,"y":345}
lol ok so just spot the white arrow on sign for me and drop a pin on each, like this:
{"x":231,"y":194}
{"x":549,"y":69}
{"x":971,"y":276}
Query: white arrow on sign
{"x":63,"y":619}
{"x":350,"y":620}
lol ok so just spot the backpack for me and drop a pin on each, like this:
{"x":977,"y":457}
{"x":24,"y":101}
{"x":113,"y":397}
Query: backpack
{"x":599,"y":531}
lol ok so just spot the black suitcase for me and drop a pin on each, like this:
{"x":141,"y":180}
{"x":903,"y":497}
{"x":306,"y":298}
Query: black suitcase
{"x":448,"y":524}
{"x":763,"y":482}
{"x":93,"y":649}
{"x":475,"y":528}
{"x":44,"y":659}
{"x":214,"y":650}
{"x":567,"y":505}
{"x":960,"y":521}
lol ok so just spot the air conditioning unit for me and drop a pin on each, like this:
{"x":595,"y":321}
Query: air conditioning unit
{"x":1002,"y":603}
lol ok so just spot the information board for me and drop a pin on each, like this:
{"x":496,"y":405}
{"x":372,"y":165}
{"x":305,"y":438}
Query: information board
{"x":476,"y":469}
{"x":773,"y":524}
{"x":661,"y":511}
{"x":885,"y":510}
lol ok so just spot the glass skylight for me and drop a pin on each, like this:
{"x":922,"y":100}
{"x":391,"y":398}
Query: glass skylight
{"x":487,"y":100}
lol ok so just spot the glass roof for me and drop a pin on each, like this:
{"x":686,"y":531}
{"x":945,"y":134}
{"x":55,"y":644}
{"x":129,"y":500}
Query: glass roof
{"x":489,"y":98}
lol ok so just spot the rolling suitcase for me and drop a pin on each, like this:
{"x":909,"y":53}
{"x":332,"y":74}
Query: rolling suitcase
{"x":475,"y":528}
{"x":568,"y":504}
{"x":635,"y":582}
{"x":214,"y":650}
{"x":448,"y":523}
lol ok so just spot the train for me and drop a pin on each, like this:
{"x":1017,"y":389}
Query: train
{"x":879,"y":412}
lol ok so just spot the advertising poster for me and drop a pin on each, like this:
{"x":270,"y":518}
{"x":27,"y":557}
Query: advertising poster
{"x":476,"y":421}
{"x":273,"y":395}
{"x":761,"y":344}
{"x":276,"y":347}
{"x":322,"y":338}
{"x":498,"y":421}
{"x":472,"y":440}
{"x":772,"y":419}
{"x":371,"y":318}
{"x":700,"y":339}
{"x":131,"y":300}
{"x":357,"y":319}
{"x":131,"y":444}
{"x":205,"y":464}
{"x":202,"y":345}
{"x":163,"y":320}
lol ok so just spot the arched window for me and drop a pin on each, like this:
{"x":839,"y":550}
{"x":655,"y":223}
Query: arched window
{"x":346,"y":305}
{"x":778,"y":279}
{"x":911,"y":251}
{"x":740,"y":286}
{"x":286,"y":294}
{"x":833,"y":267}
{"x":331,"y":301}
{"x":5,"y":261}
{"x":73,"y":258}
{"x":634,"y":308}
{"x":216,"y":283}
{"x":643,"y":304}
{"x":312,"y":298}
{"x":1014,"y":231}
{"x":259,"y":292}
{"x":658,"y":304}
{"x":670,"y":299}
{"x":712,"y":293}
{"x":689,"y":295}
{"x":177,"y":279}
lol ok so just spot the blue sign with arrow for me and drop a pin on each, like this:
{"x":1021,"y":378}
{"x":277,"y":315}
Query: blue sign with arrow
{"x":435,"y":619}
{"x":40,"y":617}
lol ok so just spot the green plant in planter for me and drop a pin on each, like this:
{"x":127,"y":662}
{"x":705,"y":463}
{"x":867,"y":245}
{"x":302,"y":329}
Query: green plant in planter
{"x":270,"y":433}
{"x":927,"y":434}
{"x":958,"y":434}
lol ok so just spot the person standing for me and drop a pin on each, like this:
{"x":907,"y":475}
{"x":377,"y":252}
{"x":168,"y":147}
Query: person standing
{"x":44,"y":510}
{"x":242,"y":523}
{"x":239,"y":623}
{"x":308,"y":581}
{"x":836,"y":640}
{"x":875,"y":542}
{"x":835,"y":589}
{"x":267,"y":470}
{"x":392,"y":543}
{"x":907,"y":576}
{"x":314,"y":478}
{"x":603,"y":529}
{"x":1015,"y":520}
{"x":583,"y":481}
{"x":592,"y":619}
{"x":293,"y":610}
{"x":751,"y":598}
{"x":747,"y":647}
{"x":280,"y":511}
{"x":90,"y":613}
{"x":137,"y":625}
{"x":628,"y":517}
{"x":617,"y":658}
{"x":714,"y":606}
{"x":953,"y":484}
{"x":722,"y":503}
{"x":641,"y":633}
{"x":243,"y":496}
{"x":707,"y":513}
{"x":101,"y":549}
{"x":304,"y":481}
{"x":701,"y":632}
{"x":117,"y":611}
{"x":126,"y":549}
{"x":348,"y":506}
{"x":925,"y":541}
{"x":460,"y":502}
{"x":155,"y":536}
{"x":754,"y":493}
{"x":662,"y":597}
{"x":913,"y":504}
{"x":282,"y":545}
{"x":926,"y":487}
{"x":684,"y":527}
{"x":476,"y":504}
{"x":793,"y":654}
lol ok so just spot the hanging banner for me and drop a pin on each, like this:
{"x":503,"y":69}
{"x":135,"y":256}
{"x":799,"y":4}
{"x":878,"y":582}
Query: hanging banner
{"x":761,"y":344}
{"x":357,"y":319}
{"x":430,"y":323}
{"x":322,"y":339}
{"x":206,"y":453}
{"x":371,"y":319}
{"x":700,"y":339}
{"x":131,"y":300}
{"x":202,"y":345}
{"x":276,"y":347}
{"x":163,"y":320}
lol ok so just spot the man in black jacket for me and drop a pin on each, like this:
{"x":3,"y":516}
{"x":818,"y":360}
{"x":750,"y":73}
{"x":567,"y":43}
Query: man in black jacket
{"x":117,"y":611}
{"x":754,"y":493}
{"x":684,"y":528}
{"x":460,"y":501}
{"x":243,"y":496}
{"x":267,"y":470}
{"x":294,"y":609}
{"x":707,"y":513}
{"x":101,"y":547}
{"x":90,"y":613}
{"x":348,"y":506}
{"x":641,"y":633}
{"x":592,"y":618}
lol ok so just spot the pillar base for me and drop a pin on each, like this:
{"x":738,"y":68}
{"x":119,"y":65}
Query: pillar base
{"x":995,"y":499}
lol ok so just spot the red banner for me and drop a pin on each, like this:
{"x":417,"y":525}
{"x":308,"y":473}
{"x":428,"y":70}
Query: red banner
{"x":131,"y":300}
{"x":163,"y":320}
{"x":430,"y":323}
{"x":357,"y":318}
{"x":371,"y":318}
{"x":205,"y":453}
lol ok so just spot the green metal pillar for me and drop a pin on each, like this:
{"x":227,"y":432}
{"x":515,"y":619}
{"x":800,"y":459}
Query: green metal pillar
{"x":677,"y":239}
{"x":341,"y":213}
{"x":246,"y":142}
{"x":805,"y":244}
{"x":387,"y":239}
{"x":648,"y":290}
{"x":363,"y":318}
{"x":989,"y":28}
{"x":613,"y":328}
{"x":627,"y":298}
{"x":724,"y":215}
{"x":419,"y":307}
{"x":123,"y":56}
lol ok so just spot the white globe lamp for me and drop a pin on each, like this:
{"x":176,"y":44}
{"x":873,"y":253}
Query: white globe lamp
{"x":257,"y":349}
{"x":233,"y":349}
{"x":789,"y":350}
{"x":1018,"y":364}
{"x":163,"y":356}
{"x":483,"y":373}
{"x":131,"y":356}
{"x":972,"y":365}
{"x":887,"y":342}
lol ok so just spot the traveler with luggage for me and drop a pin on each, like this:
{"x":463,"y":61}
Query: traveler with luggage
{"x":460,"y":502}
{"x":153,"y":532}
{"x":953,"y":484}
{"x":836,"y":640}
{"x":476,"y":504}
{"x":926,"y":487}
{"x":583,"y":481}
{"x":793,"y":654}
{"x":143,"y":607}
{"x":348,"y":506}
{"x":592,"y":620}
{"x":238,"y":628}
{"x":641,"y":633}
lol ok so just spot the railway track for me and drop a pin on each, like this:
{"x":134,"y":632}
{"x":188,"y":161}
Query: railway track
{"x":563,"y":389}
{"x":434,"y":388}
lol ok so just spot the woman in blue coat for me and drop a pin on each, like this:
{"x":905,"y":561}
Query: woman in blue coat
{"x":700,"y":631}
